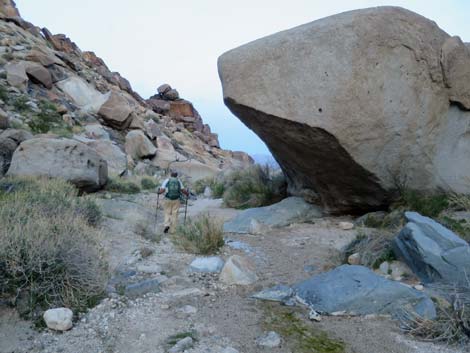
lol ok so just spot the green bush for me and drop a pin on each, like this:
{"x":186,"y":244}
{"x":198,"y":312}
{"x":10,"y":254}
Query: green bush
{"x":253,"y":187}
{"x":148,"y":183}
{"x":216,"y":186}
{"x":201,"y":235}
{"x":122,"y":186}
{"x":427,"y":205}
{"x":20,"y":104}
{"x":49,"y":120}
{"x":4,"y":96}
{"x":49,"y":254}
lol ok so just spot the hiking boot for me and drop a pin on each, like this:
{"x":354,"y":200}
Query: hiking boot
{"x":166,"y":229}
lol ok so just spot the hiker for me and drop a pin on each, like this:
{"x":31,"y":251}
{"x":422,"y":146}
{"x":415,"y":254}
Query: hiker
{"x":173,"y":188}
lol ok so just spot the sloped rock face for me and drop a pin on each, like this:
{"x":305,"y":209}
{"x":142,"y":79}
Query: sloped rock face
{"x":351,"y":104}
{"x":66,"y":159}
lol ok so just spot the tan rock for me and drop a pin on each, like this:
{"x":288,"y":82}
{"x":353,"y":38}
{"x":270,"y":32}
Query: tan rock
{"x":354,"y":259}
{"x":138,"y":146}
{"x":115,"y":158}
{"x":16,"y":75}
{"x":38,"y":74}
{"x":351,"y":103}
{"x":116,"y":111}
{"x":346,"y":225}
{"x":238,"y":270}
{"x":60,"y":158}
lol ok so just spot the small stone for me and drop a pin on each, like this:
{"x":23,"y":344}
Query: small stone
{"x":150,"y":269}
{"x":211,"y":264}
{"x":354,"y":259}
{"x":313,"y":315}
{"x":385,"y":268}
{"x":182,"y":345}
{"x":270,"y":340}
{"x":419,"y":287}
{"x":59,"y":319}
{"x":346,"y":225}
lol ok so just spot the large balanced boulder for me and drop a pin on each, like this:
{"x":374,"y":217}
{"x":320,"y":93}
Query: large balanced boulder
{"x":116,"y":111}
{"x":60,"y":158}
{"x":356,"y":289}
{"x":353,"y":104}
{"x":433,"y":252}
{"x":281,"y":214}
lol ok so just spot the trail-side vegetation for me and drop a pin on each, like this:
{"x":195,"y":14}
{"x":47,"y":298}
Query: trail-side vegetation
{"x":253,"y":187}
{"x":50,"y":251}
{"x":200,"y":235}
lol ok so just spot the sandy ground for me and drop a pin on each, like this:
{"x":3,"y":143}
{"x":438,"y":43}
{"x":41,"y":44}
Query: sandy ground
{"x":220,"y":316}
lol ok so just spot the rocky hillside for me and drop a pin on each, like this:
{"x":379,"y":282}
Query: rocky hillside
{"x":357,"y":105}
{"x":77,"y":119}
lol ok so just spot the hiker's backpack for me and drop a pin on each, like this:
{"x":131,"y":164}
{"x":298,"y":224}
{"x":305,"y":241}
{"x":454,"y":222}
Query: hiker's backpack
{"x":174,"y":189}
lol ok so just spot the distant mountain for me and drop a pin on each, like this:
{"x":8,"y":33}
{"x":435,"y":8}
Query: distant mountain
{"x":265,"y":159}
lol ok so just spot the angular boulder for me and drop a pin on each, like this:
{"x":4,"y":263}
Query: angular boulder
{"x":116,"y":111}
{"x":433,"y":252}
{"x":138,"y":146}
{"x":60,"y":158}
{"x":352,"y":103}
{"x":356,"y":289}
{"x":288,"y":211}
{"x":115,"y":158}
{"x":38,"y":74}
{"x":212,"y":264}
{"x":238,"y":270}
{"x":16,"y":75}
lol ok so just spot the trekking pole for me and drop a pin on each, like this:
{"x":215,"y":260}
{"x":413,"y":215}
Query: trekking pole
{"x":186,"y":208}
{"x":156,"y":212}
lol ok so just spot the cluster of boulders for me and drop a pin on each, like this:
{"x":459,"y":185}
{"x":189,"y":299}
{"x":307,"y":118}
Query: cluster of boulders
{"x":355,"y":105}
{"x":86,"y":122}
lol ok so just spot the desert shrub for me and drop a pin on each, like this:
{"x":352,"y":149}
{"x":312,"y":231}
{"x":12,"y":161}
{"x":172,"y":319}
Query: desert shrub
{"x":122,"y":186}
{"x":459,"y":202}
{"x":217,"y":187}
{"x":253,"y":187}
{"x":201,"y":235}
{"x":374,"y":248}
{"x":49,"y":254}
{"x":148,"y":183}
{"x":427,"y":205}
{"x":49,"y":120}
{"x":20,"y":103}
{"x":4,"y":96}
{"x":452,"y":325}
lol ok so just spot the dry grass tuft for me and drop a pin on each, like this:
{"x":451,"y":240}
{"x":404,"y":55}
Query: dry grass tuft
{"x":201,"y":235}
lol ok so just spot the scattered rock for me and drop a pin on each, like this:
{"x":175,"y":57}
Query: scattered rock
{"x":288,"y":211}
{"x":316,"y":129}
{"x":182,"y":345}
{"x":59,"y":319}
{"x":269,"y":340}
{"x":10,"y":139}
{"x":356,"y":289}
{"x":433,"y":252}
{"x":419,"y":287}
{"x":279,"y":293}
{"x":315,"y":316}
{"x":354,"y":259}
{"x":140,"y":288}
{"x":346,"y":225}
{"x":16,"y":75}
{"x":151,"y":269}
{"x":96,"y":132}
{"x":64,"y":158}
{"x":213,"y":264}
{"x":239,"y":271}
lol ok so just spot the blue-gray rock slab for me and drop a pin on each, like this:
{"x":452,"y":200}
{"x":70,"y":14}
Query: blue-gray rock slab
{"x":140,"y":288}
{"x":279,"y":293}
{"x":288,"y":211}
{"x":212,"y":264}
{"x":357,"y":289}
{"x":433,"y":252}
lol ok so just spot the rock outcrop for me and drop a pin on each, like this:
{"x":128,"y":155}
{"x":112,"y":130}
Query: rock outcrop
{"x":60,"y":158}
{"x":353,"y":104}
{"x":48,"y":85}
{"x":433,"y":252}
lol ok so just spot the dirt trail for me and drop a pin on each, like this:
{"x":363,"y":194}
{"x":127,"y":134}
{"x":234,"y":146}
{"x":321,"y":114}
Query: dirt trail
{"x":220,"y":316}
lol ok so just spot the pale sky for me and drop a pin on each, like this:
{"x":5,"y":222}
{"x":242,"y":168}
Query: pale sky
{"x":151,"y":42}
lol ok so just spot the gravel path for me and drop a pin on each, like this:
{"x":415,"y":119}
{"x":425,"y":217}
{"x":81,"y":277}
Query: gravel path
{"x":219,"y":316}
